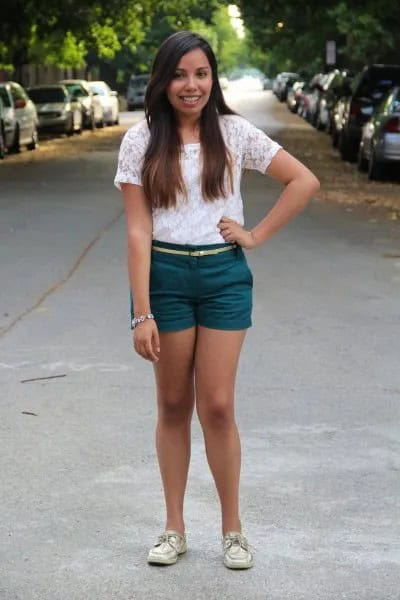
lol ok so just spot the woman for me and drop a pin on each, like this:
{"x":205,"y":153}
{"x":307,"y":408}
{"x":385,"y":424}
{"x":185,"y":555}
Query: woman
{"x":179,"y":171}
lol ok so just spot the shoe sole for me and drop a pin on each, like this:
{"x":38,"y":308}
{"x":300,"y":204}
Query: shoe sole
{"x":230,"y":566}
{"x":171,"y":561}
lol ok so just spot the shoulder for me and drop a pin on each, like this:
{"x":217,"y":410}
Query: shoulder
{"x":236,"y":129}
{"x":139,"y":132}
{"x":233,"y":123}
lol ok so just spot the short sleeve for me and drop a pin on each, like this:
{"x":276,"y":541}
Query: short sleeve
{"x":131,"y":155}
{"x":257,"y":148}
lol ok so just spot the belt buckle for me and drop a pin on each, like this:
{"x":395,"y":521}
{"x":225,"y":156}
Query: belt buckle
{"x":196,"y":252}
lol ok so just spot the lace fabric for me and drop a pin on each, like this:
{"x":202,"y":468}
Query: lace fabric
{"x":194,"y":221}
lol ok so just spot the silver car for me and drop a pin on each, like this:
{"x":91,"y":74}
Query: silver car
{"x":57,"y":110}
{"x":20,"y":117}
{"x":136,"y":91}
{"x":380,"y":138}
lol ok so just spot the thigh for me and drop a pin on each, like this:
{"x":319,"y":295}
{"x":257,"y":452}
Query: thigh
{"x":226,"y":286}
{"x":174,"y":371}
{"x":216,"y":361}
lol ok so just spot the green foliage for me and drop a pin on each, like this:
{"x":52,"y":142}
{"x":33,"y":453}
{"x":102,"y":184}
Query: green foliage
{"x":293,"y":35}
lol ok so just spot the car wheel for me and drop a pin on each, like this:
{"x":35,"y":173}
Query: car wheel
{"x":375,"y":168}
{"x":362,"y":162}
{"x":69,"y":128}
{"x":35,"y":141}
{"x":91,"y":124}
{"x":16,"y":146}
{"x":345,"y":148}
{"x":2,"y":144}
{"x":100,"y":124}
{"x":116,"y":122}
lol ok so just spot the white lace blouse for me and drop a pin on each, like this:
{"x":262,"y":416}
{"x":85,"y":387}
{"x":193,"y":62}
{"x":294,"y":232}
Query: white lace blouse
{"x":192,"y":220}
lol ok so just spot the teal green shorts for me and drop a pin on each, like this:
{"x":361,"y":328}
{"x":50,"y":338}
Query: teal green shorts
{"x":213,"y":291}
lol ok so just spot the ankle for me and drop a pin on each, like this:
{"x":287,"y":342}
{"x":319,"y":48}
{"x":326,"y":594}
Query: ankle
{"x":179,"y":527}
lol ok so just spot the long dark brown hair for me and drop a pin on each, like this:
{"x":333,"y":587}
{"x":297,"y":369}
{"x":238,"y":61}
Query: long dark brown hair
{"x":161,"y":172}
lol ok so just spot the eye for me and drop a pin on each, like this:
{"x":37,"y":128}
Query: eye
{"x":202,"y":74}
{"x":178,"y":75}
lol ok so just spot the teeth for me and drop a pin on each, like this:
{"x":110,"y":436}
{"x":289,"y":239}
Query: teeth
{"x":190,"y":98}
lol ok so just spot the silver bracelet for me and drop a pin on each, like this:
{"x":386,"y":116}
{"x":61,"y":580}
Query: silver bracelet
{"x":140,"y":319}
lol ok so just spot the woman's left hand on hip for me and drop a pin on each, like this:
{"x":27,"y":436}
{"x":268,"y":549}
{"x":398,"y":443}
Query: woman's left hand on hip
{"x":232,"y":231}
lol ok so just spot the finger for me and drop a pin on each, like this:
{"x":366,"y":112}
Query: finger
{"x":150,"y":354}
{"x":156,"y":342}
{"x":226,"y":220}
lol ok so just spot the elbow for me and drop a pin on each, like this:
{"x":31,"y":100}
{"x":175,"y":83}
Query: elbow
{"x":312,"y":186}
{"x":317,"y":185}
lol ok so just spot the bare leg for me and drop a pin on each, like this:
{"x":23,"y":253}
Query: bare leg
{"x":175,"y":399}
{"x":216,"y":361}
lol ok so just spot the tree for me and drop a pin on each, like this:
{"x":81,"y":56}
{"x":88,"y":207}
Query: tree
{"x":294,"y":35}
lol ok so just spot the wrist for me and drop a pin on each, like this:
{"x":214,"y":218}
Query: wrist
{"x":141,"y":319}
{"x":253,"y":238}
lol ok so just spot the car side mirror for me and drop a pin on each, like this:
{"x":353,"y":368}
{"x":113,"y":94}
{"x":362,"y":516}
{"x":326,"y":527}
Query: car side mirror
{"x":113,"y":93}
{"x":20,"y":103}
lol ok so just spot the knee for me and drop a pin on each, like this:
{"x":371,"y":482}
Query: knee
{"x":215,"y":412}
{"x":175,"y":408}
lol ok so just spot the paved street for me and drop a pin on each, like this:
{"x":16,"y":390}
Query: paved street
{"x":318,"y":400}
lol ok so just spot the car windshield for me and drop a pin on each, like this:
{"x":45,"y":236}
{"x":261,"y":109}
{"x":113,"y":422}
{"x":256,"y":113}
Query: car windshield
{"x":43,"y":95}
{"x":4,"y":97}
{"x":139,"y":80}
{"x":378,"y":86}
{"x":100,"y":89}
{"x":75,"y":89}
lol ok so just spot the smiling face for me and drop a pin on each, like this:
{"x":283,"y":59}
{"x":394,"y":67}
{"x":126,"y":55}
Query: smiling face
{"x":189,"y":90}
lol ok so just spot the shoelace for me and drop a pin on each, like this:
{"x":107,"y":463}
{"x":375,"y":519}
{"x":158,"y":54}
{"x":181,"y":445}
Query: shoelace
{"x":237,"y":539}
{"x":165,"y":537}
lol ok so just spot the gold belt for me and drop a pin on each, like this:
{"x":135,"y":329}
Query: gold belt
{"x":195,"y":252}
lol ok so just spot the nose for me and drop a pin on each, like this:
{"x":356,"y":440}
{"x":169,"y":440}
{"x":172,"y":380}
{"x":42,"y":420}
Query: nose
{"x":190,"y":82}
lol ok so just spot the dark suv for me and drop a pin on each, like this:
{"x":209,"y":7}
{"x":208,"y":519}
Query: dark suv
{"x":365,"y":93}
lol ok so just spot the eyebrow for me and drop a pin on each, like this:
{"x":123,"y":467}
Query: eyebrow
{"x":197,"y":69}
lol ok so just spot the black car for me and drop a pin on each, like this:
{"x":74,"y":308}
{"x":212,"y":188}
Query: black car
{"x":366,"y":92}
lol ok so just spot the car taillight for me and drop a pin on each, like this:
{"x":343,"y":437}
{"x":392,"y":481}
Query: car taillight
{"x":392,"y":126}
{"x":355,"y":109}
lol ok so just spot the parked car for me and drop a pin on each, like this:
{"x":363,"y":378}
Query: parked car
{"x":136,"y":91}
{"x":293,"y":95}
{"x":380,"y":138}
{"x":2,"y":136}
{"x":337,"y":111}
{"x":57,"y":110}
{"x":266,"y":83}
{"x":330,"y":91}
{"x":93,"y":114}
{"x":367,"y":91}
{"x":279,"y":86}
{"x":317,"y":86}
{"x":20,"y":117}
{"x":304,"y":101}
{"x":108,"y":99}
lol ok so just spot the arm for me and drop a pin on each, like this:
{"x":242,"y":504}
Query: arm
{"x":300,"y":185}
{"x":139,"y":238}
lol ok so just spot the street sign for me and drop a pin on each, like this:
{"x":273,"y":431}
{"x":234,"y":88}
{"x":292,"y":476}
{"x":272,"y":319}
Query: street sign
{"x":330,"y":52}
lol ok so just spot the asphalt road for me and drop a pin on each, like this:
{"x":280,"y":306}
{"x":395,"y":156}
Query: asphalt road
{"x":318,"y":400}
